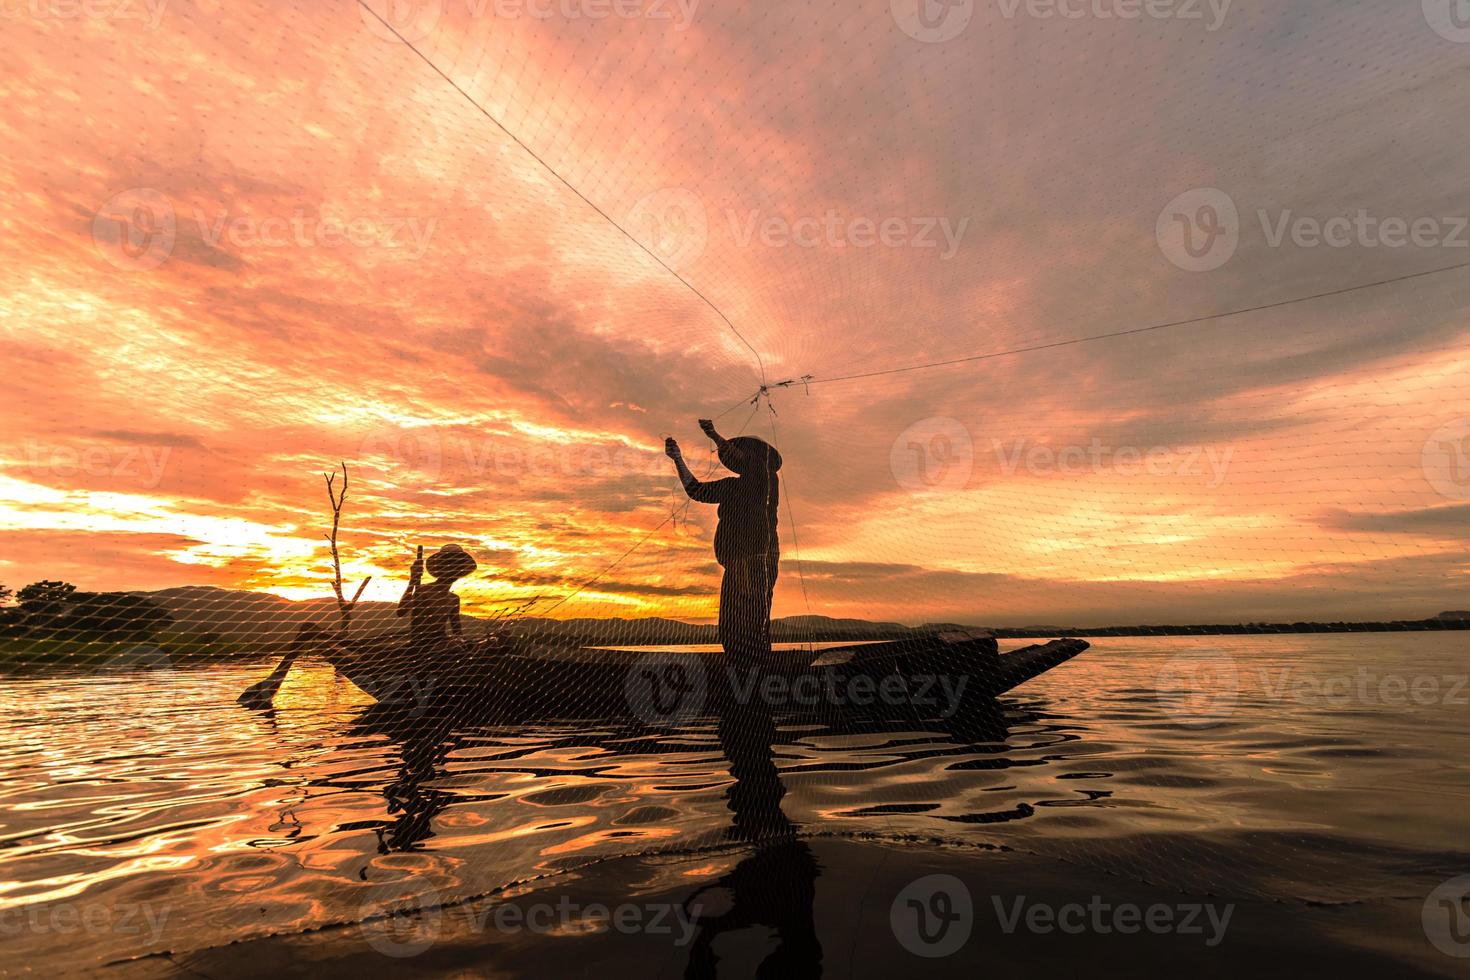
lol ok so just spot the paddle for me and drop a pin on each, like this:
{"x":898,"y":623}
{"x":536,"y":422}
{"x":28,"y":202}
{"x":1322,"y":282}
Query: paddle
{"x":262,"y":693}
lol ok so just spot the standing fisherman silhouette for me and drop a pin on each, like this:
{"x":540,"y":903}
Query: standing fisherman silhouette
{"x":434,"y":623}
{"x":746,"y":544}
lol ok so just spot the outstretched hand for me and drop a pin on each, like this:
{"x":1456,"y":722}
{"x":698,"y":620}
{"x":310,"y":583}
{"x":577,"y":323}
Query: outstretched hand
{"x":671,"y":448}
{"x":416,"y":571}
{"x":709,"y":429}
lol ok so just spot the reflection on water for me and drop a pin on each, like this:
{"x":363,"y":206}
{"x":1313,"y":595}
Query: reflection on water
{"x":1291,"y":767}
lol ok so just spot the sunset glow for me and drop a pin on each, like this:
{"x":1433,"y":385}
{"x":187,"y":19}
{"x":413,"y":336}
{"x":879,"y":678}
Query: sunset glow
{"x":339,"y":258}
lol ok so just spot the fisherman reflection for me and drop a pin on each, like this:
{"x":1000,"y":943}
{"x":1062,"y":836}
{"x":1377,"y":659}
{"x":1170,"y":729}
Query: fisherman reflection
{"x":413,"y":801}
{"x":746,"y":543}
{"x":773,"y":888}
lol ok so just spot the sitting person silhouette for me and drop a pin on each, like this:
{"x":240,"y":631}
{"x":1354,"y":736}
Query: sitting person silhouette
{"x":433,"y":609}
{"x":746,"y":545}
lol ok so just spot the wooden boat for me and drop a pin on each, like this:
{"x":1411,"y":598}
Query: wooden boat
{"x":511,"y":680}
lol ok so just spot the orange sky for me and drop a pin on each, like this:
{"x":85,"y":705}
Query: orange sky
{"x":244,"y":241}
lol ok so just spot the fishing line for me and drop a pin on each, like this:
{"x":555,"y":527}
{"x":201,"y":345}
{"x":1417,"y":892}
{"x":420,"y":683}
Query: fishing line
{"x":761,"y":364}
{"x":791,"y":519}
{"x":811,"y":380}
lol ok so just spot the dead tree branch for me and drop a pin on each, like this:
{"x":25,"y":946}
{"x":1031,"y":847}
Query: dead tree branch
{"x":337,"y":498}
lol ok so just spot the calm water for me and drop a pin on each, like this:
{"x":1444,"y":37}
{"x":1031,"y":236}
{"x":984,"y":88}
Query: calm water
{"x":145,"y":810}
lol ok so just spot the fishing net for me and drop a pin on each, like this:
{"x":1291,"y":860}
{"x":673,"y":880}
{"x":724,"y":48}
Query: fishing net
{"x":1061,"y":314}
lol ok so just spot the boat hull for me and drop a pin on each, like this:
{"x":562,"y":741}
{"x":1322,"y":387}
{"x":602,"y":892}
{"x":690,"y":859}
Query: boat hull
{"x":916,"y":679}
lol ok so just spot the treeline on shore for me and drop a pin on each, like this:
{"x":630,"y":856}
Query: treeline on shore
{"x":52,"y":622}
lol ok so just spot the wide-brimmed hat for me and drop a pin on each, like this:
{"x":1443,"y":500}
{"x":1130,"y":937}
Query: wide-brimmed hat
{"x":450,"y":561}
{"x":748,"y":454}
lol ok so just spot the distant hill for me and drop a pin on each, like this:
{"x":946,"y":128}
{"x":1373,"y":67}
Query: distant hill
{"x":256,"y":619}
{"x":261,"y":619}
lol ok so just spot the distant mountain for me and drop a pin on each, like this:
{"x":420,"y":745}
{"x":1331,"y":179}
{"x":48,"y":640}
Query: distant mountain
{"x":258,"y":617}
{"x":1457,"y":615}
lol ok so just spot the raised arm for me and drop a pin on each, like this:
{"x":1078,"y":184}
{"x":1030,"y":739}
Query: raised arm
{"x":705,"y":493}
{"x":709,"y":430}
{"x":415,"y":575}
